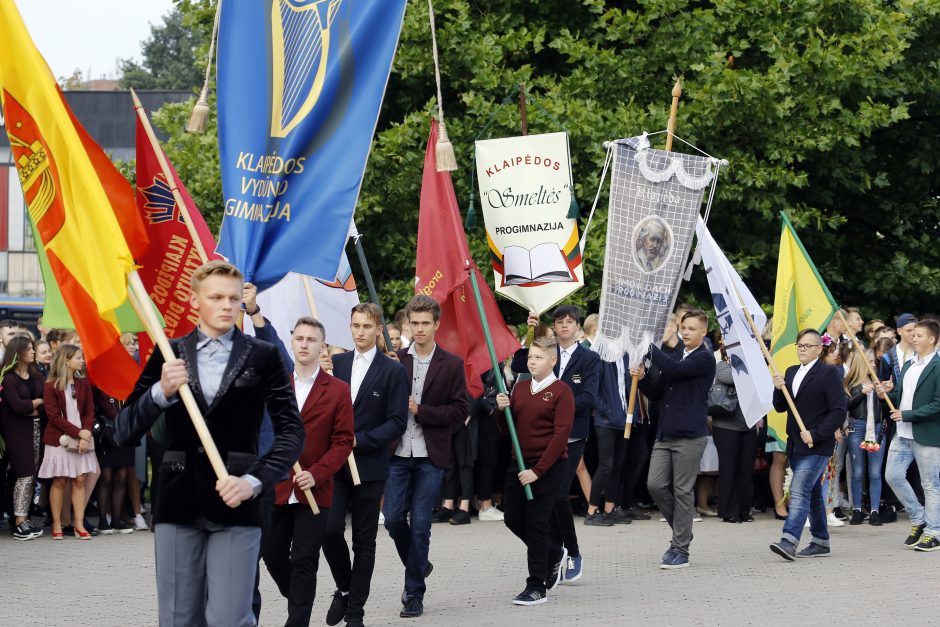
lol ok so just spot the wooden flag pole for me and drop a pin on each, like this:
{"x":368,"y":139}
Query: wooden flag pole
{"x":670,"y":129}
{"x":673,"y":111}
{"x":141,"y":302}
{"x":307,"y":491}
{"x":770,"y":361}
{"x":168,"y":175}
{"x":871,"y":371}
{"x":353,"y":468}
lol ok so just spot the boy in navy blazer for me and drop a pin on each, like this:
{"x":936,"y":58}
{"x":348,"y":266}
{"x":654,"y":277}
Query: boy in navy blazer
{"x":379,"y":389}
{"x":819,"y":395}
{"x":683,"y":386}
{"x":580,"y":369}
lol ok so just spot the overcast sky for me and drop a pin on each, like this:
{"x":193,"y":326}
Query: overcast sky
{"x":90,"y":34}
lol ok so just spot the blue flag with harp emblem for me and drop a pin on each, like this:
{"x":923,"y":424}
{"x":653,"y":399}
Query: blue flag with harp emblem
{"x":300,"y":85}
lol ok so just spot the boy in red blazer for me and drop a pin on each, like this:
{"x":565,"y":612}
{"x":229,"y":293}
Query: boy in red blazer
{"x":291,"y":550}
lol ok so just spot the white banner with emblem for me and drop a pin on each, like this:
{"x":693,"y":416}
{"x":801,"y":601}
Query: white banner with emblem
{"x":525,"y":193}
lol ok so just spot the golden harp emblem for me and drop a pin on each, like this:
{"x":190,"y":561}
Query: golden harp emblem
{"x":300,"y":41}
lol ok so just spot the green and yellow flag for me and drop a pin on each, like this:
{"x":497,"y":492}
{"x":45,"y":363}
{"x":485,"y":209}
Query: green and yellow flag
{"x":801,"y":301}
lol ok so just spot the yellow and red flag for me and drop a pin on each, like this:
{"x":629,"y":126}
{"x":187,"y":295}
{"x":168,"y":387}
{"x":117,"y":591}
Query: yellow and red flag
{"x":82,"y":207}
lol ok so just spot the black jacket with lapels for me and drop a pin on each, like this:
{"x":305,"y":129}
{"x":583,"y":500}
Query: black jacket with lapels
{"x":682,"y":386}
{"x":254,"y":379}
{"x":582,"y":374}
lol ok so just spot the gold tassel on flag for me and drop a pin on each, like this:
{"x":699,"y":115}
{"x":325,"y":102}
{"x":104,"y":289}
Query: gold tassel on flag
{"x":445,"y":159}
{"x":200,"y":115}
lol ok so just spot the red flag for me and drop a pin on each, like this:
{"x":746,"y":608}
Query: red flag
{"x":442,"y":271}
{"x":171,"y":258}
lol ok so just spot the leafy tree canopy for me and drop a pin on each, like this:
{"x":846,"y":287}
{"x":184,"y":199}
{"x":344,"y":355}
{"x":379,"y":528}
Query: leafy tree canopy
{"x":169,"y":57}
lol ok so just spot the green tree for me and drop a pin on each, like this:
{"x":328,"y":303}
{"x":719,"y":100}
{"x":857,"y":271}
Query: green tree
{"x":75,"y":81}
{"x":169,"y":57}
{"x":827,"y":110}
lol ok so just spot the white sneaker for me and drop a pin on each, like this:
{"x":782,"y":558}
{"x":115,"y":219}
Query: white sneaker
{"x":696,"y":518}
{"x":490,"y":515}
{"x":833,"y":521}
{"x":139,"y":523}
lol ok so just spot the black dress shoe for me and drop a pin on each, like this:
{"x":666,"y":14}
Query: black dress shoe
{"x":354,"y":622}
{"x":731,"y":519}
{"x":746,"y":518}
{"x":413,"y":609}
{"x":337,"y":610}
{"x":442,"y":515}
{"x":779,"y":517}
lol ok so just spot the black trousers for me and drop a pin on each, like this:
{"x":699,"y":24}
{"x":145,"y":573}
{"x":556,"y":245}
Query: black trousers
{"x":488,"y":471}
{"x":611,"y":447}
{"x":563,"y":531}
{"x":292,"y":553}
{"x":353,"y":575}
{"x":636,"y":465}
{"x":530,"y":520}
{"x":458,"y":481}
{"x":736,"y":451}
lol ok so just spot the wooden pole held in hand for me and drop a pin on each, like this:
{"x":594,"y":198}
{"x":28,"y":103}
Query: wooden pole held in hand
{"x":307,"y":491}
{"x":770,"y":362}
{"x":871,"y":371}
{"x":631,"y":406}
{"x":140,"y":300}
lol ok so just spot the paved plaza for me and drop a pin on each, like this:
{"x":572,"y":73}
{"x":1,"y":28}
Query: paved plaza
{"x":734,"y":580}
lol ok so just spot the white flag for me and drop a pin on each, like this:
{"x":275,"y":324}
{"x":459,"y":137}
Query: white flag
{"x":752,"y":379}
{"x":286,"y":301}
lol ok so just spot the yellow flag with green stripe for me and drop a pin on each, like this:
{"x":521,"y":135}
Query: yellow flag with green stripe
{"x":801,"y":301}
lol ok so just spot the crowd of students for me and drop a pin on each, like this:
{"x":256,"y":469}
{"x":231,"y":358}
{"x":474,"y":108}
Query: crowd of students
{"x":391,"y":436}
{"x":57,"y":452}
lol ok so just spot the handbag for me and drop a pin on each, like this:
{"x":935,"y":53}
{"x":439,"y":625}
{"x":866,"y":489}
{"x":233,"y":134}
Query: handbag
{"x":103,"y":433}
{"x":722,"y":400}
{"x":71,"y":444}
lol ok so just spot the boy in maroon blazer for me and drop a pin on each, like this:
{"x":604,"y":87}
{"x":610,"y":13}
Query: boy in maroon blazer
{"x":438,"y":401}
{"x":291,"y":550}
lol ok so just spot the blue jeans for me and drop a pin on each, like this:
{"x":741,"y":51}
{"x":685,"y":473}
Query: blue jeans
{"x":413,"y":486}
{"x":900,"y":457}
{"x":806,"y":500}
{"x":928,"y":463}
{"x":859,"y":459}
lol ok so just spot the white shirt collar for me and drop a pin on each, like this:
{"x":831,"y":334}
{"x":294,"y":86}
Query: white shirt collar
{"x":917,"y":360}
{"x":538,"y":386}
{"x":368,"y":356}
{"x":809,"y":365}
{"x":413,"y":351}
{"x":309,"y":379}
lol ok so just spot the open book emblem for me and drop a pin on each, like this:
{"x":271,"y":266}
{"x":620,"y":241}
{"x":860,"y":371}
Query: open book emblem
{"x":544,"y":263}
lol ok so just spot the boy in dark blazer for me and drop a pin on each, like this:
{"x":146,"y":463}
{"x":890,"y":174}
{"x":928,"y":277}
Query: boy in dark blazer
{"x":439,"y":400}
{"x":580,"y":369}
{"x":379,"y":391}
{"x":819,"y":395}
{"x":291,"y":549}
{"x":207,"y":531}
{"x":682,"y":386}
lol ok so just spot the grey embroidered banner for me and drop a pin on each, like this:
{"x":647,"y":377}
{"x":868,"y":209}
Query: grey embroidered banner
{"x":654,"y":203}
